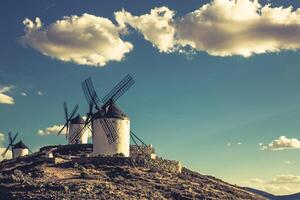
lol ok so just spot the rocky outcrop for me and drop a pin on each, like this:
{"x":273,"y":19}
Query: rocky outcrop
{"x":83,"y":177}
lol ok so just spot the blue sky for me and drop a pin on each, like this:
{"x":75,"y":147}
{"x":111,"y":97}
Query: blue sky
{"x":208,"y":111}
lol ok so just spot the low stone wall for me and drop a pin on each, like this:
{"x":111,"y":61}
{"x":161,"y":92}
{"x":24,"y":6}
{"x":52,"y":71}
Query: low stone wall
{"x":158,"y":164}
{"x":69,"y":149}
{"x":141,"y":150}
{"x":80,"y":149}
{"x":140,"y":156}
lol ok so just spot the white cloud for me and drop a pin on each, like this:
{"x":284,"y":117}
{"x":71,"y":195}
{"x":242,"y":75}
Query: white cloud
{"x":156,"y":27}
{"x":283,"y":143}
{"x":287,"y":162}
{"x":286,"y":179}
{"x":257,"y":180}
{"x":228,"y":144}
{"x":4,"y":98}
{"x":86,"y":39}
{"x":40,"y":93}
{"x":280,"y":185}
{"x":24,"y":94}
{"x":220,"y":28}
{"x":2,"y":138}
{"x":242,"y":27}
{"x":239,"y":143}
{"x":51,"y":130}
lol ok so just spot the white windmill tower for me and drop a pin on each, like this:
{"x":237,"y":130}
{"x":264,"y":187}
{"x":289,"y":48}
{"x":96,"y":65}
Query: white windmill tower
{"x":110,"y":126}
{"x":119,"y":140}
{"x":19,"y":149}
{"x":72,"y":125}
{"x":76,"y":124}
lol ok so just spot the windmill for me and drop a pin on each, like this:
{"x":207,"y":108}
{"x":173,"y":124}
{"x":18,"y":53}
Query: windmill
{"x":72,"y":124}
{"x":19,"y":149}
{"x":110,"y":126}
{"x":11,"y":143}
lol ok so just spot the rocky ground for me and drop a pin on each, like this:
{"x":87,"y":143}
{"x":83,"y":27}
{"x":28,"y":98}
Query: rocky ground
{"x":35,"y":177}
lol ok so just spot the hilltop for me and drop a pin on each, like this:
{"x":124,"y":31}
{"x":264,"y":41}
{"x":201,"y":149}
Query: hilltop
{"x":67,"y":172}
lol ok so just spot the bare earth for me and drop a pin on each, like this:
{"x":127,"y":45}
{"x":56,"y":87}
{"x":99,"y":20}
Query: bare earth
{"x":35,"y":177}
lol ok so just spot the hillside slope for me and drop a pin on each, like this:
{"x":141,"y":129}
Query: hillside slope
{"x":78,"y":177}
{"x":275,"y":197}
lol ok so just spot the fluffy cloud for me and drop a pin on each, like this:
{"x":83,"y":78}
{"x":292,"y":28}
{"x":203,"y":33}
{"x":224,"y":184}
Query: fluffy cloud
{"x":280,"y":185}
{"x":86,"y":39}
{"x":242,"y":27}
{"x":286,"y":179}
{"x":24,"y":94}
{"x":4,"y":98}
{"x":51,"y":130}
{"x":220,"y":28}
{"x":2,"y":138}
{"x":156,"y":27}
{"x":40,"y":93}
{"x":283,"y":143}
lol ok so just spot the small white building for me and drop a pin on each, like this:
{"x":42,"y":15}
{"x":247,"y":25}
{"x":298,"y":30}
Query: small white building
{"x":19,"y":149}
{"x":121,"y":124}
{"x":75,"y":125}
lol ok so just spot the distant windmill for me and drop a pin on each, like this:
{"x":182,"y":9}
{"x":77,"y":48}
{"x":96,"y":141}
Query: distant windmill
{"x":72,"y":124}
{"x":110,"y":126}
{"x":18,"y":149}
{"x":11,"y":143}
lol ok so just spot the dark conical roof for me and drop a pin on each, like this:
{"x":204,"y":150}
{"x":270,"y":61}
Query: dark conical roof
{"x":113,"y":111}
{"x":20,"y":145}
{"x":77,"y":120}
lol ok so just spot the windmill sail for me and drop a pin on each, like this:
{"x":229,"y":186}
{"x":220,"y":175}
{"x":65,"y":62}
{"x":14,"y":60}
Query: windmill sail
{"x":11,"y":143}
{"x":113,"y":95}
{"x":68,"y":117}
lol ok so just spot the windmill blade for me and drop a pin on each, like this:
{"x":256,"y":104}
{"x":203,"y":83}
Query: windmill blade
{"x":75,"y":109}
{"x":67,"y":131}
{"x":9,"y":137}
{"x":118,"y":90}
{"x":118,"y":86}
{"x":88,"y":119}
{"x":15,"y":137}
{"x":66,"y":111}
{"x":80,"y":131}
{"x":109,"y":130}
{"x":85,"y":91}
{"x":60,"y":131}
{"x":89,"y":91}
{"x":6,"y":150}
